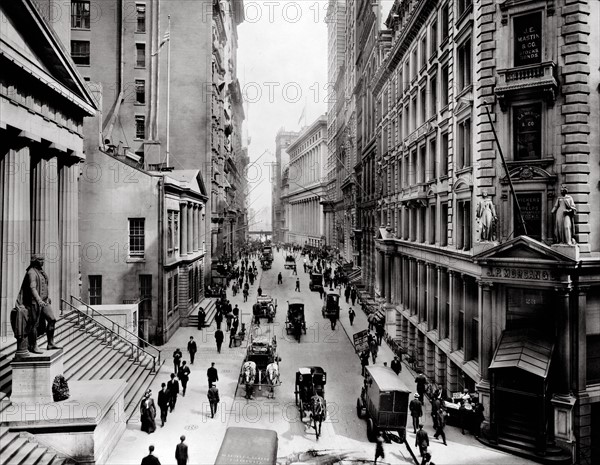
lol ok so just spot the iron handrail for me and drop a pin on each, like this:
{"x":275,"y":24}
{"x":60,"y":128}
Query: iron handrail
{"x":108,"y":336}
{"x":119,"y":327}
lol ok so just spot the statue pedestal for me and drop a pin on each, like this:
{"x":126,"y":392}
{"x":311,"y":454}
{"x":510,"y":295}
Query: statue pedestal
{"x":479,"y":247}
{"x":32,"y":377}
{"x":571,"y":251}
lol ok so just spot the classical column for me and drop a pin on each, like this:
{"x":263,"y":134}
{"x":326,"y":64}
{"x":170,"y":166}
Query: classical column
{"x":45,"y":222}
{"x":15,"y":198}
{"x":421,"y":290}
{"x":430,"y":269}
{"x":564,"y":347}
{"x":68,"y":210}
{"x":442,"y":299}
{"x":580,"y":342}
{"x":196,"y":226}
{"x":390,"y":267}
{"x":452,"y":312}
{"x":183,"y":227}
{"x":190,"y":227}
{"x":485,"y":327}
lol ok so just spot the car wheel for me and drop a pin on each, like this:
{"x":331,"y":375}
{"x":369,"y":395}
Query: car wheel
{"x":359,"y":409}
{"x":370,"y":430}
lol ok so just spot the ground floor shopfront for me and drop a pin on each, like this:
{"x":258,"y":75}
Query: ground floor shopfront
{"x":515,"y":323}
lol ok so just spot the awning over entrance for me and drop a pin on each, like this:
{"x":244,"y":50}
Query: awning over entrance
{"x":524,"y":349}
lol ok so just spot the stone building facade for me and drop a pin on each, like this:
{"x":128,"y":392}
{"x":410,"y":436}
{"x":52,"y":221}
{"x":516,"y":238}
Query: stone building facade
{"x":282,"y":158}
{"x":470,"y":258}
{"x":43,"y":103}
{"x":306,"y":185}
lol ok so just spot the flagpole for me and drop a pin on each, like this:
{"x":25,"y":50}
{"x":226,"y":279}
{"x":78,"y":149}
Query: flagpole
{"x":168,"y":90}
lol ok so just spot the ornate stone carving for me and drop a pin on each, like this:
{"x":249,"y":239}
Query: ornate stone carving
{"x":486,"y":218}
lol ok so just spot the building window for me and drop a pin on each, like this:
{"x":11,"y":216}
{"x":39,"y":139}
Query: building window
{"x":433,"y":42}
{"x":80,"y":15}
{"x":413,"y":114}
{"x":444,"y":223}
{"x":422,"y":164}
{"x":463,"y":225}
{"x":140,"y":11}
{"x":415,"y":63}
{"x":528,"y":39}
{"x":436,"y":299}
{"x":145,"y":296}
{"x":80,"y":52}
{"x":176,"y":290}
{"x":136,"y":237}
{"x":527,"y":129}
{"x":400,"y":83}
{"x":95,"y":289}
{"x":460,"y":343}
{"x":432,"y":172}
{"x":140,"y":55}
{"x":464,"y":70}
{"x":433,"y":97}
{"x":140,"y":127}
{"x":190,"y":284}
{"x":423,"y":104}
{"x":413,"y":168}
{"x":140,"y":91}
{"x":444,"y":85}
{"x":463,"y":157}
{"x":531,"y":209}
{"x":463,"y":5}
{"x":432,"y":223}
{"x":475,"y":339}
{"x":197,"y":286}
{"x":446,"y":305}
{"x":406,"y":121}
{"x":170,"y":295}
{"x":444,"y":155}
{"x":444,"y":19}
{"x":423,"y":50}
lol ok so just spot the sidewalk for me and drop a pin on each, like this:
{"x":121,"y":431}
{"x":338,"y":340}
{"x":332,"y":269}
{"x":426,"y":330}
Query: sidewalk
{"x":191,"y":416}
{"x":469,"y":451}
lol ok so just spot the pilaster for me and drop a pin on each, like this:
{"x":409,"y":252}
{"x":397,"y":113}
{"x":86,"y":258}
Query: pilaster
{"x":69,"y":229}
{"x":190,"y":227}
{"x":183,"y":248}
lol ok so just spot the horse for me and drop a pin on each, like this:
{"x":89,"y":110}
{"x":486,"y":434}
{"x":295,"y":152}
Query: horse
{"x":272,"y":377}
{"x":248,"y":377}
{"x":318,"y":411}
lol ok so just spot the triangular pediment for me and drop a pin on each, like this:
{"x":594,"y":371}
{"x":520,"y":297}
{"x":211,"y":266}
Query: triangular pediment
{"x":523,"y":248}
{"x":32,"y":44}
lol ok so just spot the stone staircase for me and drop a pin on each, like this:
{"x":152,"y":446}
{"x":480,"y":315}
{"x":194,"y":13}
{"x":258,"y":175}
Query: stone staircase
{"x":88,"y":356}
{"x":23,"y":449}
{"x":210,"y":307}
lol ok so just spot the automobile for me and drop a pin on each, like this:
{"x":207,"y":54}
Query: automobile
{"x":295,"y":322}
{"x":316,"y":282}
{"x":331,"y":308}
{"x":290,"y":262}
{"x":242,"y":446}
{"x":383,"y":403}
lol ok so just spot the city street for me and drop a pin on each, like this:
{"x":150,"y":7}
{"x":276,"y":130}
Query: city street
{"x":342,"y":432}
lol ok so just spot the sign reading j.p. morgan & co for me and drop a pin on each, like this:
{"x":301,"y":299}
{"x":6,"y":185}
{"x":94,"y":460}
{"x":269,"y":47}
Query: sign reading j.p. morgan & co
{"x":527,"y":274}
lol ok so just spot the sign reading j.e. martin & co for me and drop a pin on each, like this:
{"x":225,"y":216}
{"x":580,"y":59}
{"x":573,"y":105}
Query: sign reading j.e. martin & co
{"x":520,"y":273}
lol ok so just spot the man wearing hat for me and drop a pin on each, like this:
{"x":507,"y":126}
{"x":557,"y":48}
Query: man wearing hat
{"x":32,"y":312}
{"x":416,"y":411}
{"x":181,"y":452}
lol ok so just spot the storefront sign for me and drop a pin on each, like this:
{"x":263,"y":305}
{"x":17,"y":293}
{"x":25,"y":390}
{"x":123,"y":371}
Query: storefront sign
{"x":528,"y":39}
{"x":361,"y":341}
{"x":520,"y":273}
{"x":527,"y":121}
{"x":531,"y":210}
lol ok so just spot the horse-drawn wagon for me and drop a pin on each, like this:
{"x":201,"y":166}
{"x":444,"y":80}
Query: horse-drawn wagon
{"x":290,"y":262}
{"x":261,"y":365}
{"x":310,"y":395}
{"x":265,"y":307}
{"x":295,"y":323}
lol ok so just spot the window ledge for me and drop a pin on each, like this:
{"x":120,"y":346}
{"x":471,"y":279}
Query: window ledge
{"x":139,"y":104}
{"x":445,"y":41}
{"x":135,"y":260}
{"x":464,"y":91}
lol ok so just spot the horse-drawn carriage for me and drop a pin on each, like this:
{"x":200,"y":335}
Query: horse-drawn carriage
{"x":295,"y":323}
{"x":310,"y":395}
{"x":261,"y":365}
{"x":265,"y":307}
{"x":316,"y":282}
{"x":265,"y":264}
{"x":332,"y":304}
{"x":290,"y":262}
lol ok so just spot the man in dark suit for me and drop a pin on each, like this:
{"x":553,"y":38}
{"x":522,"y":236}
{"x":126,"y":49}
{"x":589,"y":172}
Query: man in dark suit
{"x":181,"y":452}
{"x":150,"y":459}
{"x":219,"y":336}
{"x":192,"y":349}
{"x":213,"y":400}
{"x":212,"y":374}
{"x":173,"y":388}
{"x":163,"y":403}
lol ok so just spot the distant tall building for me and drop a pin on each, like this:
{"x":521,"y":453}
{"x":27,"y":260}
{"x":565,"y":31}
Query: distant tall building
{"x":282,"y":141}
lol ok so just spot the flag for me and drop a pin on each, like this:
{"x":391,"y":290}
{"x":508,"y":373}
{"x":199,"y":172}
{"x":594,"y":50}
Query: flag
{"x":166,"y":38}
{"x":302,"y":115}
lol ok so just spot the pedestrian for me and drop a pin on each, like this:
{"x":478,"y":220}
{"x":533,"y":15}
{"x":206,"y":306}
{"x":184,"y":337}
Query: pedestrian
{"x":353,"y":295}
{"x":441,"y":423}
{"x":364,"y":360}
{"x":228,"y":318}
{"x":232,"y":335}
{"x":163,"y":403}
{"x":148,"y":413}
{"x":213,"y":399}
{"x":259,"y":291}
{"x":245,"y":292}
{"x":464,"y":412}
{"x":347,"y":294}
{"x":212,"y":374}
{"x":478,"y":418}
{"x":294,"y":271}
{"x":297,"y":285}
{"x":192,"y":349}
{"x":177,"y":360}
{"x":279,"y":278}
{"x":184,"y":376}
{"x":219,"y":336}
{"x":321,"y":292}
{"x":150,"y":459}
{"x":422,"y":440}
{"x":181,"y":452}
{"x":416,"y":411}
{"x":379,"y":331}
{"x":427,"y":459}
{"x":436,"y":405}
{"x":201,"y":318}
{"x":219,"y":319}
{"x":421,"y":381}
{"x":173,"y":388}
{"x":374,"y":350}
{"x":351,"y":315}
{"x":379,"y":447}
{"x":396,"y":365}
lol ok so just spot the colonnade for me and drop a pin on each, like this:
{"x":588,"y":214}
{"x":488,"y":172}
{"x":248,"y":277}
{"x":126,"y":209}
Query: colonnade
{"x":40,"y":214}
{"x":306,"y":218}
{"x":191,"y":226}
